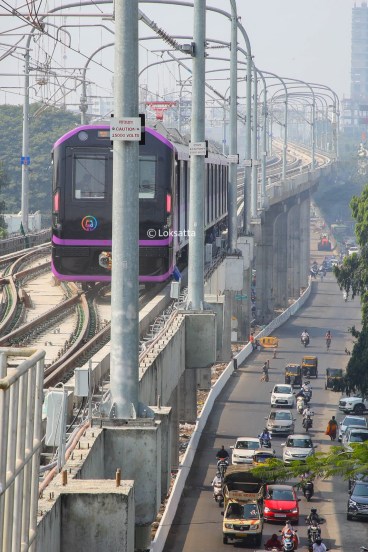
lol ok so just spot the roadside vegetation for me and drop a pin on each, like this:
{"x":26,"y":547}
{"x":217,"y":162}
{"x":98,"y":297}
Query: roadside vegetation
{"x":47,"y":124}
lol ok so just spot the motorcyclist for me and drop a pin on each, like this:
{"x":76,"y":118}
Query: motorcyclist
{"x":328,"y":338}
{"x":313,"y":517}
{"x":307,"y":412}
{"x":222,"y":453}
{"x":318,"y":546}
{"x":300,"y":403}
{"x":264,"y":437}
{"x":217,"y":485}
{"x":288,"y":531}
{"x":304,"y":335}
{"x":273,"y":542}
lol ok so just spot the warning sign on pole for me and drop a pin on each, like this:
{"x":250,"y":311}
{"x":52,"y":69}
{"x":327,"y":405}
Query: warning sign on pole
{"x":125,"y":129}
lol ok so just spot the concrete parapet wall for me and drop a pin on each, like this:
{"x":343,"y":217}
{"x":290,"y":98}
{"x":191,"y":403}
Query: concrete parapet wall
{"x":158,"y":543}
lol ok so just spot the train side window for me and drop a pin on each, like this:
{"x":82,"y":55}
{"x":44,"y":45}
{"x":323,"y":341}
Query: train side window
{"x":89,"y":176}
{"x":147,"y":177}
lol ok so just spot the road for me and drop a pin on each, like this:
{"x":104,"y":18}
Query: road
{"x":241,"y":410}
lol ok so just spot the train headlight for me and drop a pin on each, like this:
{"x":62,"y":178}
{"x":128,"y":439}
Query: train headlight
{"x":82,"y":136}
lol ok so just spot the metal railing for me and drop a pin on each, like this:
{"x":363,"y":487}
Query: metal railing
{"x":21,"y":394}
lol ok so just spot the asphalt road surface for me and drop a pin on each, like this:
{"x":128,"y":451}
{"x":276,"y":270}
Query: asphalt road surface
{"x":240,"y":410}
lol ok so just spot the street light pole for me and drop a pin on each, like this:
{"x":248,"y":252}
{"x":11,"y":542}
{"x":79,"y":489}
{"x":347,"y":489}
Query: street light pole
{"x":25,"y":145}
{"x":254,"y":146}
{"x":197,"y":164}
{"x":125,"y":215}
{"x":233,"y":131}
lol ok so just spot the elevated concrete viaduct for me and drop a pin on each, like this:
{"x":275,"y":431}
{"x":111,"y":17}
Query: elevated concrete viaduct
{"x":174,"y":367}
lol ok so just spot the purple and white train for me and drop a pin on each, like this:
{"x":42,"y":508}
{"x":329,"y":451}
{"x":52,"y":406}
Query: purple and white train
{"x":82,"y":203}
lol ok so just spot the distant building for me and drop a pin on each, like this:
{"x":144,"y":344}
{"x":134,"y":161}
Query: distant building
{"x":354,"y":117}
{"x":13,"y":222}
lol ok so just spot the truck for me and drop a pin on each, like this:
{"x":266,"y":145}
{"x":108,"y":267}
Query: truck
{"x":243,"y":506}
{"x":324,"y":243}
{"x":355,"y":405}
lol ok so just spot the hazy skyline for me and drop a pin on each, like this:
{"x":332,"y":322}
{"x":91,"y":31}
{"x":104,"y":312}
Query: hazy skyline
{"x":304,"y":39}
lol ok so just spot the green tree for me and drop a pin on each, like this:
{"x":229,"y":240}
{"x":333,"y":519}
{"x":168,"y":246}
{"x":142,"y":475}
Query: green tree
{"x":321,"y":465}
{"x":352,"y":276}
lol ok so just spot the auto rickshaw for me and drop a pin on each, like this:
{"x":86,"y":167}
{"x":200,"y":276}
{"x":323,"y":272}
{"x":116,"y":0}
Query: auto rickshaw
{"x":293,"y":375}
{"x":261,"y":456}
{"x":334,"y":379}
{"x":310,"y":366}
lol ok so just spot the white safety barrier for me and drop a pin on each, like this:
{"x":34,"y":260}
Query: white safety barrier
{"x":20,"y":443}
{"x":158,"y":543}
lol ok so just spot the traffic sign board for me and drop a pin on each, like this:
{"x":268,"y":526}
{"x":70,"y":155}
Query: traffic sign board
{"x":125,"y":129}
{"x":25,"y":160}
{"x":197,"y":148}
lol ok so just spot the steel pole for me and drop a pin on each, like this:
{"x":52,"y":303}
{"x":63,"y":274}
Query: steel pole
{"x":254,"y":184}
{"x":25,"y":146}
{"x":233,"y":132}
{"x":125,"y":216}
{"x":197,"y":163}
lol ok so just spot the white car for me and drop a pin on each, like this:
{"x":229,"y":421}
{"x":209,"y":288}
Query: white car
{"x":244,"y":449}
{"x":351,"y":421}
{"x":354,"y":435}
{"x":297,"y":447}
{"x":282,"y":395}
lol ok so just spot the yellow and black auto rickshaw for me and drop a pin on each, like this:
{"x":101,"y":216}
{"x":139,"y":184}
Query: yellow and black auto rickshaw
{"x":334,"y":379}
{"x":310,"y":366}
{"x":293,"y":375}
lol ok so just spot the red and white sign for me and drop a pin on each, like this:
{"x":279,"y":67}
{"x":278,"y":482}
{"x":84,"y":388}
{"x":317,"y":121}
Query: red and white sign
{"x":160,"y":107}
{"x":125,"y":129}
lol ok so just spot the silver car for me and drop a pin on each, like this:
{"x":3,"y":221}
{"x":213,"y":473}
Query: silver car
{"x":297,"y":447}
{"x":354,"y":435}
{"x":356,"y":421}
{"x":280,"y":422}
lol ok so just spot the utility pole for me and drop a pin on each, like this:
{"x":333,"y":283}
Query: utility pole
{"x":254,"y":184}
{"x":25,"y":145}
{"x":125,"y":215}
{"x":233,"y":131}
{"x":197,"y":163}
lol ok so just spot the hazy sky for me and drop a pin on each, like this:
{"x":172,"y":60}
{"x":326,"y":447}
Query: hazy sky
{"x":305,"y":39}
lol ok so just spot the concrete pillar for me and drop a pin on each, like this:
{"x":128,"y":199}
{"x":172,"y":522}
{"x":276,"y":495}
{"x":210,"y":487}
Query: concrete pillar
{"x":304,"y":241}
{"x":200,"y":352}
{"x":95,"y":516}
{"x":293,"y":244}
{"x":280,"y":261}
{"x":220,"y":305}
{"x":263,"y":261}
{"x":136,"y":449}
{"x":163,"y":415}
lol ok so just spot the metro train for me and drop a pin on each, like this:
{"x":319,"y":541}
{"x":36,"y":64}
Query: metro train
{"x":82,"y":203}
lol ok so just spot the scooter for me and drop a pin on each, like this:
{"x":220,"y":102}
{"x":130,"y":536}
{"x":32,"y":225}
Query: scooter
{"x":308,"y":490}
{"x":265,"y":443}
{"x":218,"y":494}
{"x":300,"y":405}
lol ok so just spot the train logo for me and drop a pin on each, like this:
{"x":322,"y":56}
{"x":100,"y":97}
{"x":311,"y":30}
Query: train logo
{"x":89,"y":223}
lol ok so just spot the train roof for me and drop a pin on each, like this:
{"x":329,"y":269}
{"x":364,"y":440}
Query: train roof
{"x":170,"y":136}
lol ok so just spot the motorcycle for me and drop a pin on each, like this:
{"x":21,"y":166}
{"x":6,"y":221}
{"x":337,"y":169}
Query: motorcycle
{"x":300,"y":405}
{"x":308,"y":490}
{"x":307,"y":423}
{"x":222,"y":466}
{"x":288,"y":542}
{"x":307,"y":395}
{"x":314,"y":531}
{"x":265,"y":443}
{"x":328,"y":344}
{"x":304,"y":340}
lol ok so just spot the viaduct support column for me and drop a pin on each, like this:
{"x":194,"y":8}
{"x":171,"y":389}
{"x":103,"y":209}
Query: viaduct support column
{"x":304,"y":241}
{"x":293,"y":241}
{"x":280,"y":261}
{"x":263,"y":261}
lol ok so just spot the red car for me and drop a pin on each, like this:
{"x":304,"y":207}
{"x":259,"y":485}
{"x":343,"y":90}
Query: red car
{"x":281,"y":503}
